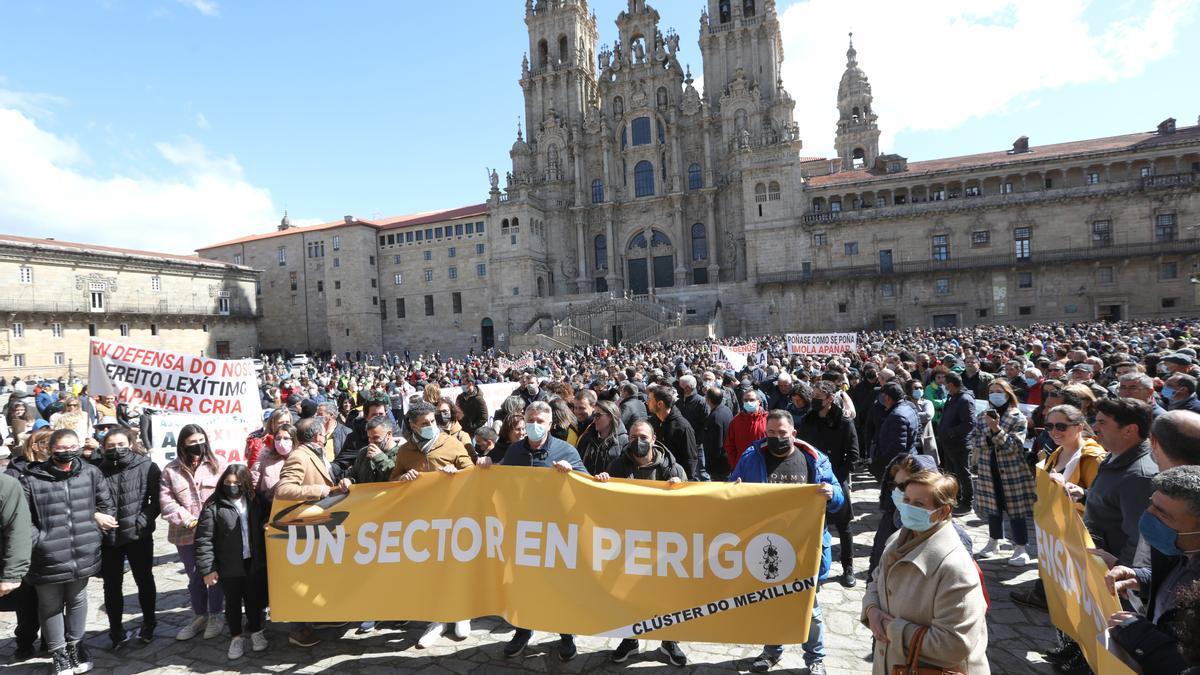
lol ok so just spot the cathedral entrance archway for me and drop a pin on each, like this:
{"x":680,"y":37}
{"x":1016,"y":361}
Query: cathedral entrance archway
{"x":651,"y":263}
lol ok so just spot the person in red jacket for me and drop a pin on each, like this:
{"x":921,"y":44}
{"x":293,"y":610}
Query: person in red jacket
{"x":747,"y":426}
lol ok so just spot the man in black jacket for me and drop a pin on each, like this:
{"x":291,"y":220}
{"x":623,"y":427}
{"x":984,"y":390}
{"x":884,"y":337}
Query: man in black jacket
{"x":133,"y":480}
{"x":898,"y":432}
{"x":713,"y":432}
{"x":826,"y":428}
{"x":958,"y":418}
{"x":632,"y":404}
{"x":695,"y":411}
{"x":645,"y":459}
{"x":357,"y":440}
{"x":671,"y":429}
{"x":69,"y":504}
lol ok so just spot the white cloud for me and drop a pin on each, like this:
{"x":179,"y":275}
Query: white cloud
{"x":205,"y":7}
{"x":48,"y":188}
{"x":934,"y":64}
{"x":201,"y":120}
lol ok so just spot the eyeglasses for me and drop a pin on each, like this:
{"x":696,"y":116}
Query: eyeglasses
{"x":1059,"y":426}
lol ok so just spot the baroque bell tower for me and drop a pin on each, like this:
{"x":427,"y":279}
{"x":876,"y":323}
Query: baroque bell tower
{"x":559,"y":73}
{"x":857,"y":138}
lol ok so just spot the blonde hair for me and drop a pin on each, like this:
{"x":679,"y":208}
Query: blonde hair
{"x":432,"y":394}
{"x":40,"y":436}
{"x":943,"y":488}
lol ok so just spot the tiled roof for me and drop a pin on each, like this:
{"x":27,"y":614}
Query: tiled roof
{"x":409,"y":220}
{"x":58,"y":245}
{"x":998,"y":159}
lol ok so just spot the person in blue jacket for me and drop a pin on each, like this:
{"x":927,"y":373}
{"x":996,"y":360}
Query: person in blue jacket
{"x":783,"y":458}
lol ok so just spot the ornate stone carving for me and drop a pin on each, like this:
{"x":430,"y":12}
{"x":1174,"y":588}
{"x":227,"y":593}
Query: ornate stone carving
{"x":82,"y":281}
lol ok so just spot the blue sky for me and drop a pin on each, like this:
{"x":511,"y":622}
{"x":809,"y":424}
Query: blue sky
{"x":169,"y":124}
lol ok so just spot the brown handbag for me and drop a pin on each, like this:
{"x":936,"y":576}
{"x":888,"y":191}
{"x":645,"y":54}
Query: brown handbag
{"x":914,"y":658}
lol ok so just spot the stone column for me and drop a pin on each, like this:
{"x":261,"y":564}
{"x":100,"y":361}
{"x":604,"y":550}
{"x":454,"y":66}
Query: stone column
{"x":709,"y":174}
{"x":682,"y":254}
{"x":582,"y":282}
{"x":648,"y":232}
{"x":613,"y":277}
{"x":676,"y":159}
{"x":710,"y":233}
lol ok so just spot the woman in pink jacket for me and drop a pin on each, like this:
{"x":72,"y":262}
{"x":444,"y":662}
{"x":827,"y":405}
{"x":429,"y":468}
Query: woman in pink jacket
{"x":187,"y":482}
{"x":265,"y":472}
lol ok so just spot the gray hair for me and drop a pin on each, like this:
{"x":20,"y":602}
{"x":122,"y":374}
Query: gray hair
{"x":1182,"y":483}
{"x":539,"y":407}
{"x":1142,"y":380}
{"x":688,"y":382}
{"x":419,"y":410}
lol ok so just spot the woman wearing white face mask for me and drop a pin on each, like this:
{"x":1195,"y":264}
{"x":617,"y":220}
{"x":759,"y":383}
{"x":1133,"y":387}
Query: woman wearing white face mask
{"x":1004,"y":483}
{"x":925,"y":603}
{"x":265,"y":472}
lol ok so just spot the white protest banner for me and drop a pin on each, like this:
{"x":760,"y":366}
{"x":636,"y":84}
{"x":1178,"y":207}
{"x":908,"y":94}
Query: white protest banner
{"x":226,"y":434}
{"x":163,"y":380}
{"x":493,"y":395}
{"x":736,"y":360}
{"x":822,"y":343}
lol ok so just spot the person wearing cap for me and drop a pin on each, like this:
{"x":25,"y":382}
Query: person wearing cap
{"x":1178,"y":362}
{"x":1180,"y":393}
{"x":1081,"y":373}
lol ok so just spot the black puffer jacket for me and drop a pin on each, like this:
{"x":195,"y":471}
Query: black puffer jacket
{"x":664,"y":467}
{"x":597,"y":453}
{"x":66,"y":541}
{"x":133,"y":483}
{"x":219,"y":538}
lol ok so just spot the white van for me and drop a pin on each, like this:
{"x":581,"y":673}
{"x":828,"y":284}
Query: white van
{"x":299,"y":360}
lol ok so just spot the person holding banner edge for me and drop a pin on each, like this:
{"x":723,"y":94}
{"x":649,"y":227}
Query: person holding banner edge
{"x":782,"y":458}
{"x":540,"y":449}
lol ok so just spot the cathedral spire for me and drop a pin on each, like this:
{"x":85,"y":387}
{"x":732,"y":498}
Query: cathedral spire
{"x":857,"y":138}
{"x":851,"y":53}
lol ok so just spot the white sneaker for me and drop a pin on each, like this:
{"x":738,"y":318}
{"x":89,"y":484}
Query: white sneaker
{"x":216,"y":623}
{"x":462,"y":629}
{"x":237,"y":648}
{"x":988,"y":550}
{"x":431,"y":635}
{"x":192,"y":629}
{"x":1019,"y":557}
{"x":258,"y":641}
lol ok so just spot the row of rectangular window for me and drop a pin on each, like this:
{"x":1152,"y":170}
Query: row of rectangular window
{"x":402,"y":311}
{"x":25,"y":276}
{"x":432,"y":233}
{"x":1166,"y":229}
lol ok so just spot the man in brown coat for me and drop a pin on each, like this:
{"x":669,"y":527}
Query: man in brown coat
{"x":307,"y":475}
{"x":431,"y":451}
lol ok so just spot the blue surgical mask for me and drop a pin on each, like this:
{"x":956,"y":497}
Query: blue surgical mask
{"x":897,"y":497}
{"x":535,"y":431}
{"x":750,"y":406}
{"x":1168,"y":392}
{"x":918,"y":394}
{"x":1160,"y":536}
{"x":429,"y":433}
{"x":1031,"y":381}
{"x":914,"y":518}
{"x":997,"y":399}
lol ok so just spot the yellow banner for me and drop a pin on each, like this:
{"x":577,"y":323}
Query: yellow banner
{"x":1080,"y":603}
{"x":703,"y":562}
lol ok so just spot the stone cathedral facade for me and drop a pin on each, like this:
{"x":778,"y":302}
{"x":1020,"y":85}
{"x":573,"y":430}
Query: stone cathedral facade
{"x":636,"y":207}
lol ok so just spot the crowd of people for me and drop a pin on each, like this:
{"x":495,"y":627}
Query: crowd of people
{"x":945,"y":422}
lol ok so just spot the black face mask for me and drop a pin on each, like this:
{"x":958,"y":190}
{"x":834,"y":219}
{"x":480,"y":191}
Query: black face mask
{"x":779,"y":447}
{"x":638,"y":448}
{"x":195,"y":451}
{"x":64,"y":456}
{"x":443,"y":418}
{"x":233,"y":491}
{"x":871,"y":377}
{"x":116,"y":454}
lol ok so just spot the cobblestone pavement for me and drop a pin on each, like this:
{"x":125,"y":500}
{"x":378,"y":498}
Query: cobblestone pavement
{"x":1015,"y":635}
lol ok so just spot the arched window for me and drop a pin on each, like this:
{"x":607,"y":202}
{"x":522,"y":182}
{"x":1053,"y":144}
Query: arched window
{"x":516,"y":223}
{"x":643,"y":179}
{"x":860,"y":158}
{"x":562,"y":49}
{"x":658,"y":239}
{"x":695,"y":177}
{"x":504,"y":224}
{"x":641,"y":131}
{"x":760,"y":193}
{"x":726,"y":12}
{"x":601,"y":247}
{"x":618,"y":107}
{"x":597,"y":191}
{"x":747,"y":8}
{"x":661,"y":97}
{"x":638,"y":242}
{"x":854,"y":113}
{"x":543,"y":54}
{"x":699,"y":242}
{"x":773,"y":192}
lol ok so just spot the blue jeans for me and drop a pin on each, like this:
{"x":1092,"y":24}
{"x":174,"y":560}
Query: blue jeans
{"x":1020,"y":533}
{"x":814,"y":647}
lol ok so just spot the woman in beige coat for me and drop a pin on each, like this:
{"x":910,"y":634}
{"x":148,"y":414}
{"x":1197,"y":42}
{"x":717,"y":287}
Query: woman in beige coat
{"x":927,"y":578}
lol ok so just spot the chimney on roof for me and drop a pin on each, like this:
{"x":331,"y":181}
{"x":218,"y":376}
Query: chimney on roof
{"x":349,"y":220}
{"x":1166,"y":126}
{"x":1021,"y":145}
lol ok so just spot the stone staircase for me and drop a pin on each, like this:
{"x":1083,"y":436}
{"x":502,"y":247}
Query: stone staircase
{"x":640,"y":317}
